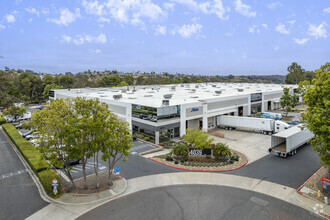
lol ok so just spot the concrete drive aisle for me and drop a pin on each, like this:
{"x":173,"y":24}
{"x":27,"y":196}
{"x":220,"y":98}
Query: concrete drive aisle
{"x":19,"y":195}
{"x":186,"y":178}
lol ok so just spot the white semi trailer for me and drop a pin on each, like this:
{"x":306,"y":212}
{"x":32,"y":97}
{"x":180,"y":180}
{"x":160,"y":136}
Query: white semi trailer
{"x":286,"y":142}
{"x":264,"y":125}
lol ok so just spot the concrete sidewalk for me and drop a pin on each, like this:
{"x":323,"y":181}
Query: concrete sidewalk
{"x":57,"y":211}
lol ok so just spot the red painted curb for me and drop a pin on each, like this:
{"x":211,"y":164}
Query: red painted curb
{"x":298,"y":190}
{"x":218,"y":171}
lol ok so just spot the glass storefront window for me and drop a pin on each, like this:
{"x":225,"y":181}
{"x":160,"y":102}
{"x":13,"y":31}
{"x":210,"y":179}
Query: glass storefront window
{"x":256,"y":97}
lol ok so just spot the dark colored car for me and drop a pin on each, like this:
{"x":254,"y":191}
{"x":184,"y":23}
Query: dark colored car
{"x":27,"y":133}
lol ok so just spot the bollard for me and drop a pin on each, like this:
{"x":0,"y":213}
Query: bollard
{"x":318,"y":193}
{"x":326,"y":200}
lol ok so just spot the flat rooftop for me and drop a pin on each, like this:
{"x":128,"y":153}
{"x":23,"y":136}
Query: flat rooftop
{"x":180,"y":93}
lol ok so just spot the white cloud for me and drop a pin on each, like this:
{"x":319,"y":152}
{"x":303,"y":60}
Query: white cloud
{"x":282,"y":29}
{"x":94,"y":8}
{"x":317,"y":31}
{"x":103,"y":20}
{"x":2,"y":26}
{"x":215,"y":7}
{"x":292,"y":21}
{"x":30,"y":20}
{"x":244,"y":56}
{"x":10,"y":18}
{"x":264,"y":26}
{"x":274,"y":5}
{"x":244,"y":9}
{"x":300,"y":41}
{"x":81,"y":39}
{"x":32,"y":11}
{"x":96,"y":51}
{"x":186,"y":31}
{"x":168,"y":6}
{"x":66,"y":17}
{"x":160,"y":30}
{"x":66,"y":38}
{"x":125,"y":11}
{"x":276,"y":48}
{"x":254,"y":29}
{"x":326,"y":10}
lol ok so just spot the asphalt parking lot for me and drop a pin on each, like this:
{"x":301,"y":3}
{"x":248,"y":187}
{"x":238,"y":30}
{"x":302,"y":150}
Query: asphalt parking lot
{"x":138,"y":147}
{"x":198,"y":202}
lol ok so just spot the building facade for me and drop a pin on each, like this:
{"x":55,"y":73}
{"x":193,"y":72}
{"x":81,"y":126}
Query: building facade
{"x":166,"y":111}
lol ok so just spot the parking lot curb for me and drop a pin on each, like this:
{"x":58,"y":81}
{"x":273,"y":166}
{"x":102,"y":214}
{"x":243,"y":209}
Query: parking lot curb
{"x":298,"y":190}
{"x":40,"y":188}
{"x":197,"y":170}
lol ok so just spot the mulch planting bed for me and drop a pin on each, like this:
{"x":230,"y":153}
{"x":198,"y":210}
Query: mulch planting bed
{"x":91,"y":184}
{"x":315,"y":184}
{"x":205,"y":164}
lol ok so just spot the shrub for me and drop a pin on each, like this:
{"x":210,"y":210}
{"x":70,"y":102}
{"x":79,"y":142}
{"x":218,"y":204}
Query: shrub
{"x":2,"y":120}
{"x":146,"y":139}
{"x":176,"y":162}
{"x":221,"y":150}
{"x":168,"y":158}
{"x":46,"y":178}
{"x":180,"y":150}
{"x":197,"y":138}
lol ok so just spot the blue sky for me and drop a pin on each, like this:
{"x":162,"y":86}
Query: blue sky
{"x":175,"y":36}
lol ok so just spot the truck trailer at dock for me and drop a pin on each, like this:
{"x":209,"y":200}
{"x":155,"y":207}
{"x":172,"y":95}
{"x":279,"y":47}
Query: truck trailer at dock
{"x":286,"y":142}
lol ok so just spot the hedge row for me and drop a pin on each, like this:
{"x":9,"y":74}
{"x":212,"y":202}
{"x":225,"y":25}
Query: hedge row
{"x":2,"y":120}
{"x":35,"y":159}
{"x":46,"y":178}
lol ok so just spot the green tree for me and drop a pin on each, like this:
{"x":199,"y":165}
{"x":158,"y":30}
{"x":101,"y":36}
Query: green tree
{"x":122,"y":84}
{"x":129,"y":79}
{"x":317,"y":116}
{"x":288,"y":101}
{"x":15,"y":111}
{"x":110,"y":81}
{"x":56,"y":128}
{"x":197,"y":139}
{"x":115,"y":144}
{"x":303,"y":85}
{"x":221,"y":150}
{"x":181,"y":150}
{"x":66,"y":81}
{"x":295,"y":75}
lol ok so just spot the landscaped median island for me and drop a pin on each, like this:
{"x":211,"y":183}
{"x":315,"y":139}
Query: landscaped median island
{"x":34,"y":158}
{"x":197,"y":153}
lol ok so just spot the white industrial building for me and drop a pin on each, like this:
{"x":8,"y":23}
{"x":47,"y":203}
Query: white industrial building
{"x":170,"y":109}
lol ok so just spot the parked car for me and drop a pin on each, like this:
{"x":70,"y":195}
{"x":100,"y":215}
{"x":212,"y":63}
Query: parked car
{"x":32,"y":136}
{"x":154,"y":119}
{"x":40,"y":107}
{"x":27,"y":133}
{"x":144,"y":116}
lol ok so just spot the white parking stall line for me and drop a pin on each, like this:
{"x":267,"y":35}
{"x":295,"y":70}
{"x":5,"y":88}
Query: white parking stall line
{"x":77,"y":168}
{"x":4,"y":176}
{"x":74,"y":171}
{"x":90,"y":163}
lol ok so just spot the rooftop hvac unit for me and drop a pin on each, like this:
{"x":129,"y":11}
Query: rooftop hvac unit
{"x":214,"y":85}
{"x":168,"y":96}
{"x":173,"y":88}
{"x":103,"y":95}
{"x":182,"y":85}
{"x":240,"y":90}
{"x":166,"y":102}
{"x":114,"y":90}
{"x":117,"y":96}
{"x":194,"y":97}
{"x":78,"y":91}
{"x":247,"y":87}
{"x":123,"y":91}
{"x":87,"y":87}
{"x":131,"y":97}
{"x":218,"y":92}
{"x":196,"y":86}
{"x":148,"y":95}
{"x":99,"y":92}
{"x":103,"y":89}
